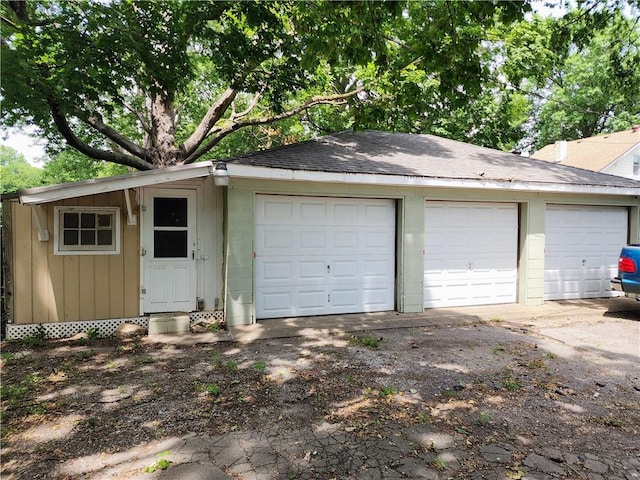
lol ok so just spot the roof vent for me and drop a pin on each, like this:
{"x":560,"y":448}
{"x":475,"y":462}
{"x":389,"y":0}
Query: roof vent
{"x":635,"y":128}
{"x":560,"y":151}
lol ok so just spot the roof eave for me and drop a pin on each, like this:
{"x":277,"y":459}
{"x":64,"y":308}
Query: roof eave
{"x":53,"y":193}
{"x":268,"y":173}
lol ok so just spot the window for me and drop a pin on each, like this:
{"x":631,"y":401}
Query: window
{"x":87,"y":230}
{"x":636,"y":164}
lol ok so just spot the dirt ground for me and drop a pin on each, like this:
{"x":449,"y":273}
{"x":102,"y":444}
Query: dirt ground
{"x":479,"y":385}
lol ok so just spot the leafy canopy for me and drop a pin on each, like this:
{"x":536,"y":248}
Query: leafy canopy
{"x":151,"y":84}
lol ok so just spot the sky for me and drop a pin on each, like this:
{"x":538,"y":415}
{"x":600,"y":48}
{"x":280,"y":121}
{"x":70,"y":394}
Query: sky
{"x":31,"y":147}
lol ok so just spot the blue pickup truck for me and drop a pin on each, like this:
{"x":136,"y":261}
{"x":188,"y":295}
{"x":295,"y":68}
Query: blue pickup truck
{"x":628,"y":279}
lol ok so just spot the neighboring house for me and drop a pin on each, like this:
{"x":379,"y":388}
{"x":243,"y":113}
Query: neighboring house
{"x":353,"y":222}
{"x":613,"y":153}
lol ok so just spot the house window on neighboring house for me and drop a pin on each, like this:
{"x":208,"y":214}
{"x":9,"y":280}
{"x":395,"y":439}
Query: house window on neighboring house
{"x":87,"y":230}
{"x":636,"y":164}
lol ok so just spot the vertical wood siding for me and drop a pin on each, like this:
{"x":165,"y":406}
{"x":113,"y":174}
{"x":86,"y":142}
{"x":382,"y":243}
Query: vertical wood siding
{"x":65,"y":288}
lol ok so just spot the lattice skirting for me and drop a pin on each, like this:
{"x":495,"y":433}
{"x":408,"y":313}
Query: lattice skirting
{"x":105,"y":328}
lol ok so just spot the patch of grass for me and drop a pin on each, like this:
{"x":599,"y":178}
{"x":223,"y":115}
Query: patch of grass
{"x":608,"y":421}
{"x":351,"y":378}
{"x":93,"y":334}
{"x":159,"y":464}
{"x":215,"y":357}
{"x":38,"y":409}
{"x":366,"y":341}
{"x":496,"y":319}
{"x":213,"y":389}
{"x":484,"y":418}
{"x":510,"y":383}
{"x":260,"y":366}
{"x":12,"y":393}
{"x":387,"y":391}
{"x":550,"y":355}
{"x":214,"y":327}
{"x":440,"y":464}
{"x":6,"y":356}
{"x":232,"y":365}
{"x":515,"y":473}
{"x":424,"y":418}
{"x":537,"y":364}
{"x":497,"y":349}
{"x":451,"y":393}
{"x":90,"y":422}
{"x":147,"y":360}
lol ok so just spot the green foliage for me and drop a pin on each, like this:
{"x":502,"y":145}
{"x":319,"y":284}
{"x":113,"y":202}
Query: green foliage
{"x":93,"y":333}
{"x":387,"y":391}
{"x":365,"y":341}
{"x":72,"y":166}
{"x":260,"y":366}
{"x":212,"y":389}
{"x":160,"y":464}
{"x":15,"y":171}
{"x":232,"y":365}
{"x":135,"y":83}
{"x":38,"y":338}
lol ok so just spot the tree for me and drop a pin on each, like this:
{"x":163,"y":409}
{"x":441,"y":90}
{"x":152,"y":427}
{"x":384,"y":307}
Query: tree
{"x":71,"y":166}
{"x":597,"y":88}
{"x":151,"y":84}
{"x":579,"y":72}
{"x":15,"y":171}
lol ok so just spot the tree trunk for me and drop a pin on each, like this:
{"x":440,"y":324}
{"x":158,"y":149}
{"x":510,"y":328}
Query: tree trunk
{"x":163,"y":132}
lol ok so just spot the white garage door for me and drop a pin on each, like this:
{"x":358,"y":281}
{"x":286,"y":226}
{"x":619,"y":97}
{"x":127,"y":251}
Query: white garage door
{"x":318,"y":256}
{"x":471,"y":253}
{"x":582,"y":245}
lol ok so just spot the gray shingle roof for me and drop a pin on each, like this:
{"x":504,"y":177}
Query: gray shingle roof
{"x":421,"y":156}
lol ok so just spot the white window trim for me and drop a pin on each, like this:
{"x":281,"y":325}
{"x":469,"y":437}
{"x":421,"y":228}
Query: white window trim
{"x":57,"y":231}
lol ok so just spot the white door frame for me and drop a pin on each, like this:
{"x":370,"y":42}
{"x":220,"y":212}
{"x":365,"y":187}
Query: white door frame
{"x":147,"y":250}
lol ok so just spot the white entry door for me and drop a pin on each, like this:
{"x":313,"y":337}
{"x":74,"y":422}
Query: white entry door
{"x":582,"y":244}
{"x":470,"y":253}
{"x":318,"y":256}
{"x":169,"y":249}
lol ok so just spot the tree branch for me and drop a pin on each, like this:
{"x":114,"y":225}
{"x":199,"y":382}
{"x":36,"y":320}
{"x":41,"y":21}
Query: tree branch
{"x":96,"y":122}
{"x":338,"y":99}
{"x":208,"y":121}
{"x":73,"y":141}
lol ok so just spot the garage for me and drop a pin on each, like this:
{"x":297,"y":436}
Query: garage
{"x":318,"y":256}
{"x":582,"y":244}
{"x":471,"y":253}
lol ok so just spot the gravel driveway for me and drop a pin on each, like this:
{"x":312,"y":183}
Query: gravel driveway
{"x":488,"y":392}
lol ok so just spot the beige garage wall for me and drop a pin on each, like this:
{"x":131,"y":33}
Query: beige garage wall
{"x":54,"y":288}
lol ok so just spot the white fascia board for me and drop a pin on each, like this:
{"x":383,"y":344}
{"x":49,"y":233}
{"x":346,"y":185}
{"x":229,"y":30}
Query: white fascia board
{"x":34,"y":196}
{"x":265,"y":173}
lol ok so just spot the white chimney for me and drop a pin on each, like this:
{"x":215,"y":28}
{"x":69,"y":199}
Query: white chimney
{"x":560,"y":151}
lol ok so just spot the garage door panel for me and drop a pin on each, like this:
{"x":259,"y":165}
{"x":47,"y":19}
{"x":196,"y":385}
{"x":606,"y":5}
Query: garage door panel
{"x":344,"y":298}
{"x":311,"y":271}
{"x":470,"y":253}
{"x":345,"y":240}
{"x":315,"y":212}
{"x":310,"y":301}
{"x":335,"y":250}
{"x":276,"y":271}
{"x":582,"y":247}
{"x":345,"y":270}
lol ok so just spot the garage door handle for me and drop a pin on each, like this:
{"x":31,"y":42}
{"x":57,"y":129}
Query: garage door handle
{"x":328,"y":268}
